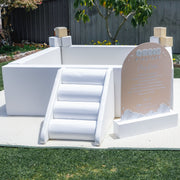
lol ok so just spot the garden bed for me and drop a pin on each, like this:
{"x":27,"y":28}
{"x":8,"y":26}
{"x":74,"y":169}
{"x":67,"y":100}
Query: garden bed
{"x":177,"y":65}
{"x":6,"y":58}
{"x":17,"y":51}
{"x":176,"y":60}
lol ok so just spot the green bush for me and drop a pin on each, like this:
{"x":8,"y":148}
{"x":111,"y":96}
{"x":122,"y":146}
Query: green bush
{"x":9,"y":50}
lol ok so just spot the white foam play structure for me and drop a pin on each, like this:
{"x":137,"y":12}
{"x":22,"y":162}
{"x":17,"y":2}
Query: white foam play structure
{"x":78,"y":90}
{"x":81,"y":106}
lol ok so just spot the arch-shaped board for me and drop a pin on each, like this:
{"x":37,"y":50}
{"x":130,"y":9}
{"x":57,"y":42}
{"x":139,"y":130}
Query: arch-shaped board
{"x":146,"y":81}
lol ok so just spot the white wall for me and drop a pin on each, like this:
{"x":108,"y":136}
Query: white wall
{"x":95,"y":55}
{"x":80,"y":55}
{"x":51,"y":56}
{"x":28,"y":89}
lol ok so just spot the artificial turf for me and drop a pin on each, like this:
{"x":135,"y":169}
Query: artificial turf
{"x":36,"y":163}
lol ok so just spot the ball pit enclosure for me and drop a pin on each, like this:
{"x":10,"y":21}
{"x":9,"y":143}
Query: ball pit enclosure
{"x":29,"y":82}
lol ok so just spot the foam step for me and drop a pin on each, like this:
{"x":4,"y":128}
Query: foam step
{"x":76,"y":110}
{"x":72,"y":129}
{"x":82,"y":93}
{"x":83,"y":76}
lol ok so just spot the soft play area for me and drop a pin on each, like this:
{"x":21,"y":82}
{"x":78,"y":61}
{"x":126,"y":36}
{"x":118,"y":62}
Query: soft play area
{"x":92,"y":96}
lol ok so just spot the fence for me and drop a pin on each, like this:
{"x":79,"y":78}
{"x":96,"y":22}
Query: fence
{"x":39,"y":24}
{"x":166,"y":14}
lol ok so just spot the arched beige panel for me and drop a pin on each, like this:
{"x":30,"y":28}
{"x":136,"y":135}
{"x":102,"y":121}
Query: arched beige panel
{"x":146,"y":79}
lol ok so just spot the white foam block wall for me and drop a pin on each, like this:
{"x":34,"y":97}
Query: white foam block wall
{"x":49,"y":56}
{"x":54,"y":41}
{"x":66,"y":41}
{"x":169,"y":49}
{"x":144,"y":125}
{"x":95,"y":55}
{"x":117,"y":90}
{"x":28,"y":89}
{"x":106,"y":110}
{"x":154,"y":39}
{"x":49,"y":113}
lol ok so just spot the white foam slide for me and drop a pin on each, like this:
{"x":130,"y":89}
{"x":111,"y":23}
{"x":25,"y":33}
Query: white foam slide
{"x":81,"y":106}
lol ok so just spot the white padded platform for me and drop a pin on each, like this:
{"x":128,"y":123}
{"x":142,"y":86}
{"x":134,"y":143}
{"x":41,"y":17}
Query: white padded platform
{"x":69,"y":92}
{"x":76,"y":110}
{"x":72,"y":129}
{"x":127,"y":128}
{"x":83,"y":76}
{"x":24,"y":131}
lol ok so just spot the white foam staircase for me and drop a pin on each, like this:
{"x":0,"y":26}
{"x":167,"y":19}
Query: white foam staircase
{"x":81,"y":105}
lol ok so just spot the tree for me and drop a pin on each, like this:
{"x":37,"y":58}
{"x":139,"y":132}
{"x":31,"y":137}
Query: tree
{"x":29,"y":4}
{"x":6,"y":8}
{"x":138,"y":10}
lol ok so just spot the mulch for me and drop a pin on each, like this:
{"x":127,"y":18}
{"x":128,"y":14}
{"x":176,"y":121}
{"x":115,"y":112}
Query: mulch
{"x":6,"y":58}
{"x":177,"y":65}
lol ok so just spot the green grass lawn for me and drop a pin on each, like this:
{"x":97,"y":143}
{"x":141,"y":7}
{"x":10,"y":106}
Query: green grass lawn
{"x":1,"y":81}
{"x":177,"y":72}
{"x":31,"y":163}
{"x":10,"y":50}
{"x":21,"y":163}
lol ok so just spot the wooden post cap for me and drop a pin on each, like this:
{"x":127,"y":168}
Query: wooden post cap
{"x":60,"y":31}
{"x":166,"y":41}
{"x":160,"y":31}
